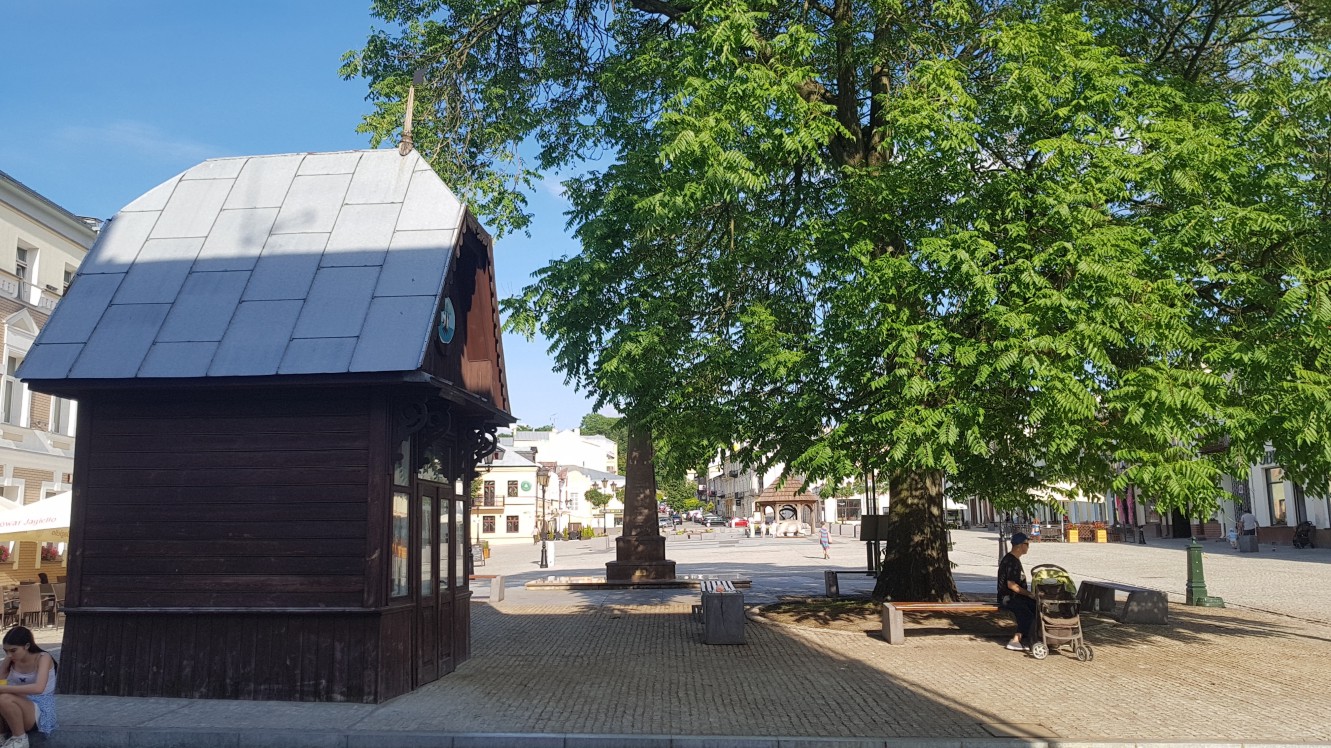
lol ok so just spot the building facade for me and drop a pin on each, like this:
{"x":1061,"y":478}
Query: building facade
{"x":41,"y":248}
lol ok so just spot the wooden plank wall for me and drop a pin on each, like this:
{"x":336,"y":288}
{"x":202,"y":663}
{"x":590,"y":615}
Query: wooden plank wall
{"x":220,"y":549}
{"x":290,"y":657}
{"x":248,"y":499}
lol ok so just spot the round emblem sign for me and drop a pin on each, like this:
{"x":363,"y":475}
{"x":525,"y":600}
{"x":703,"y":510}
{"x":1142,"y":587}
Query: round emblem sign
{"x":448,"y":323}
{"x":526,"y":485}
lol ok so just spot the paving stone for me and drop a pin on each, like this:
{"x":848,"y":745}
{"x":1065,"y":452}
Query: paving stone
{"x":627,"y":667}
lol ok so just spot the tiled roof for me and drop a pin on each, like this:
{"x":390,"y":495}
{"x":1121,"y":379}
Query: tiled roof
{"x":312,"y":263}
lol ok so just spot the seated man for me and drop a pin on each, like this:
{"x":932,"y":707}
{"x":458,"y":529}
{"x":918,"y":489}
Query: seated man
{"x":1015,"y":595}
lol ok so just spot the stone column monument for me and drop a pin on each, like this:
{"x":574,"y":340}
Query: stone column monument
{"x":640,"y":551}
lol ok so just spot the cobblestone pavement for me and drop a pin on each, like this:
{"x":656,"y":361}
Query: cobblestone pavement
{"x":629,"y":662}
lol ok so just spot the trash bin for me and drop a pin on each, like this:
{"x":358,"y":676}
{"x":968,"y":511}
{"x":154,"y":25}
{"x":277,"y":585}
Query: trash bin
{"x":1247,"y":544}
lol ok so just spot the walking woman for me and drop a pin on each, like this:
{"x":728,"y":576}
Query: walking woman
{"x":27,"y":698}
{"x":824,"y":539}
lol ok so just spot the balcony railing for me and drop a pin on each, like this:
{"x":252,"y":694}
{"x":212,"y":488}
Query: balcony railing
{"x":13,"y":288}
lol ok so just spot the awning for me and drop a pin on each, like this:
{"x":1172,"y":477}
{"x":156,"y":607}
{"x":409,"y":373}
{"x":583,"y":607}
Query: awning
{"x":45,"y":521}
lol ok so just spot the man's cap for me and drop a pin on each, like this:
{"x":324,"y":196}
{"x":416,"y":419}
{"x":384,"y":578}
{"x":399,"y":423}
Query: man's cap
{"x":1018,"y":538}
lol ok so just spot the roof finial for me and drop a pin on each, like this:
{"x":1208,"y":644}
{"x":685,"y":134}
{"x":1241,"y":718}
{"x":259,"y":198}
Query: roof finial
{"x":417,"y":78}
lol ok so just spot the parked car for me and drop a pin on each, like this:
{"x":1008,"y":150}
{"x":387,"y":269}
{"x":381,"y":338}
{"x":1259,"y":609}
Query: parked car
{"x":739,"y":522}
{"x":665,"y":523}
{"x":678,"y":520}
{"x":713,"y":521}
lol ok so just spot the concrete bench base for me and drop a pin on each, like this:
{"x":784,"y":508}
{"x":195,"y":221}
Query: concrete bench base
{"x":496,"y":585}
{"x":721,"y":613}
{"x":1142,"y":605}
{"x":723,"y":618}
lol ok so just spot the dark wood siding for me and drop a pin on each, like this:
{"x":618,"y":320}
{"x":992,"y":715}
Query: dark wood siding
{"x":301,"y":657}
{"x":245,"y":498}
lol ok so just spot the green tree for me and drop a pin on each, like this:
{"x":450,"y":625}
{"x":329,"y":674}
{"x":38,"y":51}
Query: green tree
{"x":598,"y":498}
{"x":1003,"y":243}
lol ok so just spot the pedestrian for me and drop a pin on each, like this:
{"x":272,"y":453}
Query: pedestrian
{"x":824,"y":539}
{"x":1247,"y":522}
{"x":27,"y":699}
{"x":1014,"y":594}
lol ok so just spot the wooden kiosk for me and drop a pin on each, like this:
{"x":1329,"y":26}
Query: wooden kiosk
{"x":287,"y":368}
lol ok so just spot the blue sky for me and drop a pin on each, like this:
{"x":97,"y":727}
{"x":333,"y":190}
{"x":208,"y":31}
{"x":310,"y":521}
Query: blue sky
{"x":100,"y":100}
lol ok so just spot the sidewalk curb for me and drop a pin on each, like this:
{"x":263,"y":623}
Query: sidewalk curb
{"x":88,"y":737}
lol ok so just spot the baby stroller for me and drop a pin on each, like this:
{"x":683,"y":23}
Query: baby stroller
{"x":1059,"y":619}
{"x":1303,"y":535}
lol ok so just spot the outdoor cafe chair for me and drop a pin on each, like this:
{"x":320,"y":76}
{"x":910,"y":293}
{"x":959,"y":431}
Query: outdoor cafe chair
{"x":9,"y":611}
{"x":58,"y":603}
{"x":29,"y":603}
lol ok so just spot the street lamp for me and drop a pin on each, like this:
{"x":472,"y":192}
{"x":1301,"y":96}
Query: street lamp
{"x":543,"y":480}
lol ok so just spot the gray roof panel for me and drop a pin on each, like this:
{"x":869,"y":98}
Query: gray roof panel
{"x":195,"y":315}
{"x":361,"y":235}
{"x":154,"y":199}
{"x":393,"y":318}
{"x":312,"y":204}
{"x":381,"y":177}
{"x":336,"y":304}
{"x":317,"y":356}
{"x":264,"y":182}
{"x":416,"y":263}
{"x":50,"y":361}
{"x":256,"y":339}
{"x":76,"y":315}
{"x":122,"y":338}
{"x":286,"y":268}
{"x":118,"y":243}
{"x":258,"y":266}
{"x":192,"y":208}
{"x":186,"y":360}
{"x":341,"y":162}
{"x":236,"y":239}
{"x":217,"y":168}
{"x":429,"y":204}
{"x":159,"y":273}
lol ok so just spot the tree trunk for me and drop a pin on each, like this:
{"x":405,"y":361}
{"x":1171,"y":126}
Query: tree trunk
{"x":915,"y":563}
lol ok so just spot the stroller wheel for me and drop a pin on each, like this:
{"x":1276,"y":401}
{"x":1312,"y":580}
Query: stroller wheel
{"x":1039,"y":650}
{"x":1084,"y":653}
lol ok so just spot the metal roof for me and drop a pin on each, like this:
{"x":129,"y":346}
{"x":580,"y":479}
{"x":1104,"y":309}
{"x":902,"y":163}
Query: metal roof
{"x":308,"y":263}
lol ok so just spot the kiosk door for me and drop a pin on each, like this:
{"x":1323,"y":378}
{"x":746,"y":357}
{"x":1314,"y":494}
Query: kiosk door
{"x":430,"y":502}
{"x":452,"y":576}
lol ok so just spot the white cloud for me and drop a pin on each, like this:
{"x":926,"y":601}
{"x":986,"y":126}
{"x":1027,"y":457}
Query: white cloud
{"x":138,"y":139}
{"x":552,"y":185}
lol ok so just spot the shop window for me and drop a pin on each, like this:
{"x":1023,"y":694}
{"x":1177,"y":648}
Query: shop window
{"x":1277,"y":495}
{"x":511,"y":523}
{"x":488,"y":524}
{"x":401,"y":542}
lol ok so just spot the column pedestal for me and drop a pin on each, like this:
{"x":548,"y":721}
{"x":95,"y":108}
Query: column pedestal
{"x":639,"y":558}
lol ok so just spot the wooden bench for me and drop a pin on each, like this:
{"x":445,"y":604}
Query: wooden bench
{"x":894,"y":626}
{"x":496,"y":585}
{"x":1142,"y":606}
{"x":721,"y":612}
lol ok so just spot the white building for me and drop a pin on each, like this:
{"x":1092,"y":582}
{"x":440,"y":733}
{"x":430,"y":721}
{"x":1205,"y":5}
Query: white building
{"x":41,"y":246}
{"x":507,"y":505}
{"x":568,"y":448}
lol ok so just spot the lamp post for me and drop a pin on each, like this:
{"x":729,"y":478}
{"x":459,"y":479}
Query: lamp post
{"x":543,"y":480}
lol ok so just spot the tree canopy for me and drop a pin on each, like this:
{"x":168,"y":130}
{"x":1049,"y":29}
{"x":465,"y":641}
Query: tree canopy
{"x":1016,"y":243}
